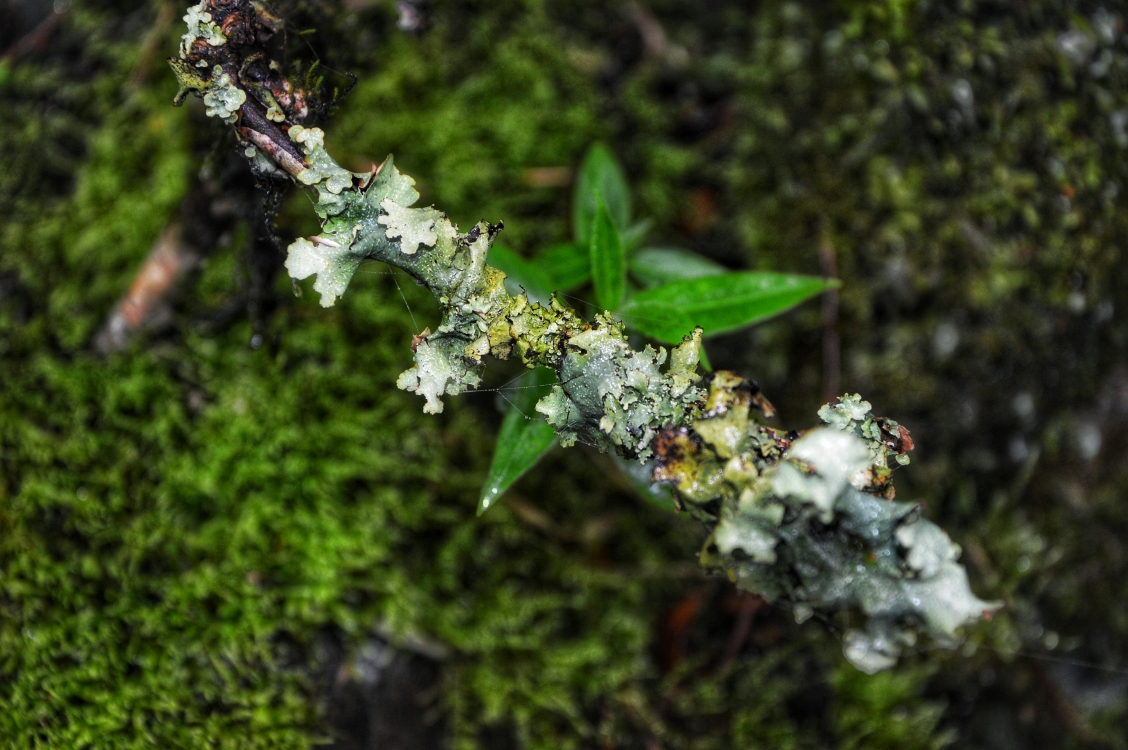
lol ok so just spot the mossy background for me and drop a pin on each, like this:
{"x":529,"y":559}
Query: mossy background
{"x":182,"y":525}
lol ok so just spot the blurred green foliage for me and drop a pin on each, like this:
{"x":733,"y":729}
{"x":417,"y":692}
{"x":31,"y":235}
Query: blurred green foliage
{"x":182,"y":523}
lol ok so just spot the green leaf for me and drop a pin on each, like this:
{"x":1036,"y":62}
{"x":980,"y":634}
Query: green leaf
{"x":639,"y":475}
{"x":524,"y":438}
{"x":569,"y":266}
{"x":654,"y":266}
{"x":718,"y":303}
{"x":703,"y":359}
{"x":634,"y":235}
{"x":608,"y":264}
{"x":600,"y":176}
{"x":522,"y":274}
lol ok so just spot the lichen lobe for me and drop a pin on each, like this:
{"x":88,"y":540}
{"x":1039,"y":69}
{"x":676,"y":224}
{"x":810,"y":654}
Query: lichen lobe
{"x":805,"y":522}
{"x":200,"y":26}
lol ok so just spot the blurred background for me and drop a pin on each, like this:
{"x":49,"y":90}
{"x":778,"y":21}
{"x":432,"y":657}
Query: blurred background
{"x":228,"y":528}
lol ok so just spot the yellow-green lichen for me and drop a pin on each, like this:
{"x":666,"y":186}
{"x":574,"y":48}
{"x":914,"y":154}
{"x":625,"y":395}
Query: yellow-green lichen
{"x":190,"y":79}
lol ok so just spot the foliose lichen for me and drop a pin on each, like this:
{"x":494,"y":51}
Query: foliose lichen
{"x":808,"y":519}
{"x":802,"y":521}
{"x":222,"y":97}
{"x":200,"y":26}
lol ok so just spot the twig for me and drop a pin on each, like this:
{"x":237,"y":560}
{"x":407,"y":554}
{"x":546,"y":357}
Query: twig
{"x":727,"y":469}
{"x":152,"y":44}
{"x":654,"y":39}
{"x":747,"y":607}
{"x":37,"y":38}
{"x":831,"y":342}
{"x":147,"y":306}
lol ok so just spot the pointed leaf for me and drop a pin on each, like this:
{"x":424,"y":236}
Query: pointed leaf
{"x":703,"y":359}
{"x":654,"y":266}
{"x":634,"y":235}
{"x":600,"y":175}
{"x":521,"y":274}
{"x":524,"y":438}
{"x":608,"y":264}
{"x":569,"y":266}
{"x":718,"y":303}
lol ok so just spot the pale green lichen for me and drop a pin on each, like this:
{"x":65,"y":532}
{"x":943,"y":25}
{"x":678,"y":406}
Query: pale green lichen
{"x":323,"y":171}
{"x":852,"y":414}
{"x":431,"y":376}
{"x":262,"y":163}
{"x":886,"y":440}
{"x":222,"y":97}
{"x":793,"y":524}
{"x":810,"y":521}
{"x":617,"y":398}
{"x":200,"y":26}
{"x":335,"y":254}
{"x":368,"y":215}
{"x":835,"y":458}
{"x":333,"y":263}
{"x":414,"y":227}
{"x":608,"y":395}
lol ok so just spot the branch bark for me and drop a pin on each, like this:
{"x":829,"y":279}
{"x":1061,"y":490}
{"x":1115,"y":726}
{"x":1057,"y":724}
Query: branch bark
{"x":809,"y":518}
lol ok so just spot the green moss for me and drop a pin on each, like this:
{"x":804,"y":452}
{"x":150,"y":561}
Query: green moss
{"x":887,"y":711}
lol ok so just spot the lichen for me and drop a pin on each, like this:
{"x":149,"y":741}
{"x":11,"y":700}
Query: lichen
{"x":431,"y":376}
{"x":414,"y":227}
{"x":797,"y":525}
{"x":223,"y":98}
{"x":617,"y":398}
{"x":200,"y":26}
{"x":323,"y":172}
{"x":262,"y":163}
{"x":335,"y":254}
{"x":333,"y":263}
{"x":189,"y":78}
{"x":810,"y":520}
{"x":886,"y":440}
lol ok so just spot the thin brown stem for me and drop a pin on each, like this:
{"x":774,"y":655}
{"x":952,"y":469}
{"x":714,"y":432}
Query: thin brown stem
{"x":37,"y":38}
{"x":831,"y":342}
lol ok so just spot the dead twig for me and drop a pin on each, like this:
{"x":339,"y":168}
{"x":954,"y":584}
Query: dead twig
{"x":746,"y":606}
{"x":147,"y":306}
{"x":654,"y":40}
{"x":152,"y":44}
{"x":831,"y":342}
{"x":37,"y":38}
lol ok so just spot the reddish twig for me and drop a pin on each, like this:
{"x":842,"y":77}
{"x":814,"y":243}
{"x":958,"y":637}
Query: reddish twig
{"x":37,"y":38}
{"x":746,"y":606}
